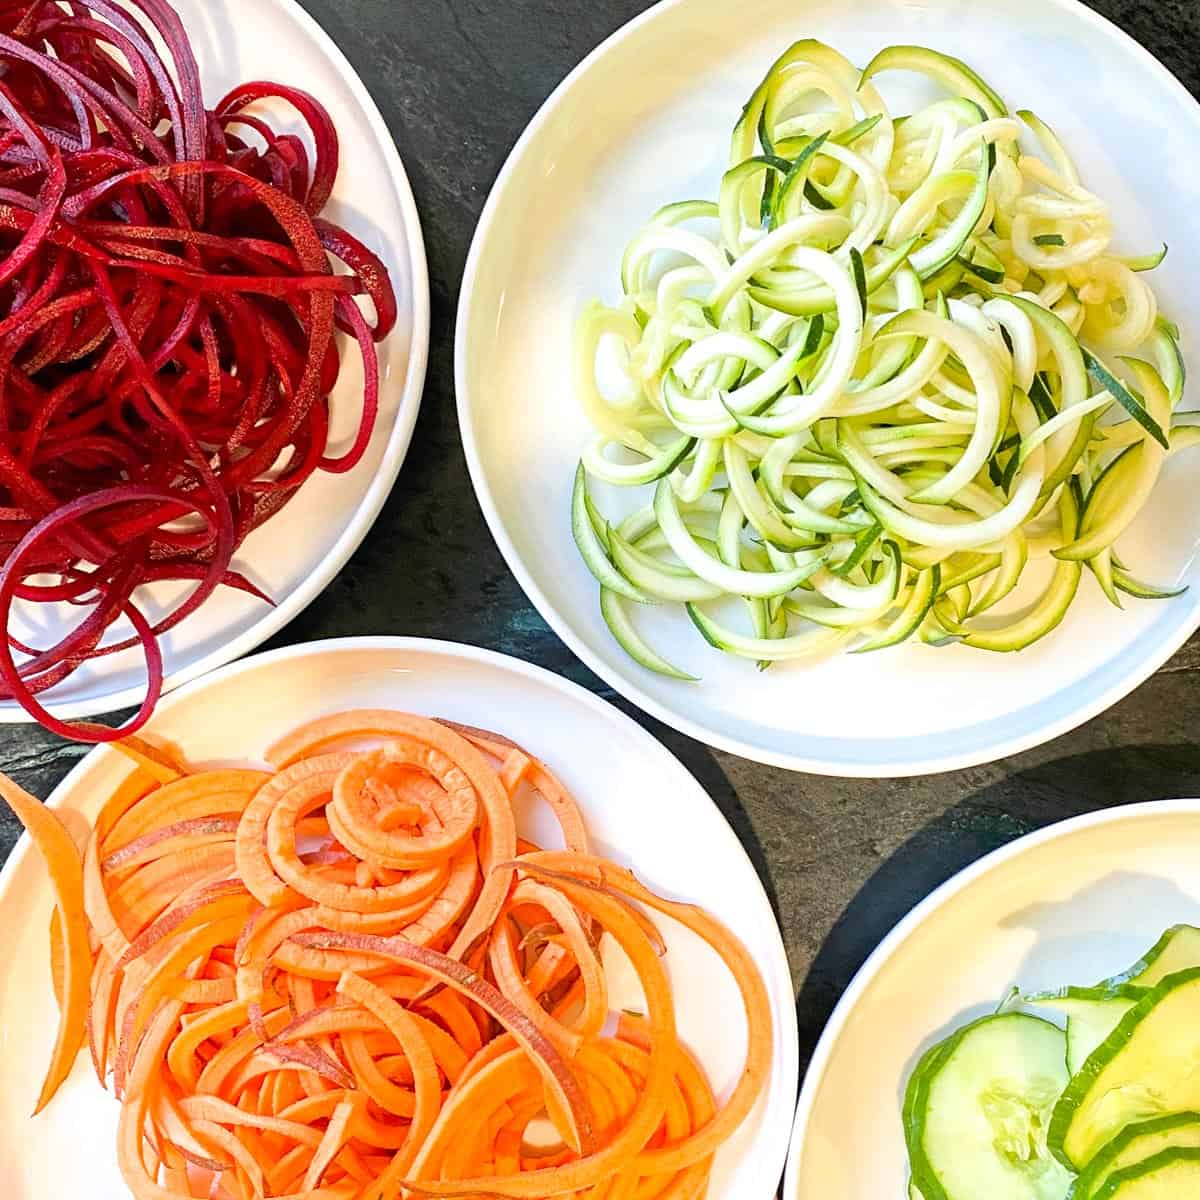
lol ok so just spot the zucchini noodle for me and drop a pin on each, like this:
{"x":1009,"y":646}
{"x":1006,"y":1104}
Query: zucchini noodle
{"x":897,"y":357}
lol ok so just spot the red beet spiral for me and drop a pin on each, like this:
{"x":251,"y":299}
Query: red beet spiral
{"x":169,"y":308}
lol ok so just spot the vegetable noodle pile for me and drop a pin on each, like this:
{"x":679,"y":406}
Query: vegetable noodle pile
{"x":169,"y":317}
{"x":348,"y":978}
{"x":897,"y":358}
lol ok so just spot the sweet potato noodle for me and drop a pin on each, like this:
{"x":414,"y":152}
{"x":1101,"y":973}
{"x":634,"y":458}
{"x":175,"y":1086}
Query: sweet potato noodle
{"x":348,"y":978}
{"x":168,"y":312}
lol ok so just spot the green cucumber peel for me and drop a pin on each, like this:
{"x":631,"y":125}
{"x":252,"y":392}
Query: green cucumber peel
{"x":593,"y":550}
{"x":1125,"y":398}
{"x":1076,"y":1153}
{"x":860,"y":277}
{"x":628,"y":638}
{"x":951,"y":72}
{"x":1146,"y":262}
{"x":862,"y":547}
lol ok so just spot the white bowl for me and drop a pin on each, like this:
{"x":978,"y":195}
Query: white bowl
{"x":1071,"y":904}
{"x":644,"y":120}
{"x":636,"y":800}
{"x":295,"y":555}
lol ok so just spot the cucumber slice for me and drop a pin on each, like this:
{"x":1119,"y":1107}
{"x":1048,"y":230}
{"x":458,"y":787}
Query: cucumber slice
{"x":1092,"y":1014}
{"x":1138,"y":1143}
{"x":1177,"y":950}
{"x":979,"y":1113}
{"x":1145,"y":1068}
{"x":916,"y":1092}
{"x":1170,"y":1175}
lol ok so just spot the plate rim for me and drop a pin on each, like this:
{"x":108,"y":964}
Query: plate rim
{"x":776,"y":968}
{"x":410,"y":242}
{"x":624,"y":682}
{"x":944,"y":894}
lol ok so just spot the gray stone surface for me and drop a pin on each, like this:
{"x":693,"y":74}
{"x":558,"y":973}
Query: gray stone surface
{"x":457,"y":80}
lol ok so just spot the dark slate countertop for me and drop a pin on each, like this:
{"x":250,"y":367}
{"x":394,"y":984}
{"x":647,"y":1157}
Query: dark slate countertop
{"x":457,"y":80}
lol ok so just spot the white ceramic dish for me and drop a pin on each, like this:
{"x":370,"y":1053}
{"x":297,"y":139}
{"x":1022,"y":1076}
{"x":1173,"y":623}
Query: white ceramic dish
{"x":1073,"y":903}
{"x":635,"y":796}
{"x":297,"y":554}
{"x":644,"y":120}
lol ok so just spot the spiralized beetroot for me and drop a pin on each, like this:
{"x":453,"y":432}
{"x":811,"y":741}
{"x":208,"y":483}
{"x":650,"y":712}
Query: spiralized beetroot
{"x":168,"y":319}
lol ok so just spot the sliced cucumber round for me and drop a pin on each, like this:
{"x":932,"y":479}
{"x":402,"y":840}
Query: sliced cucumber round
{"x":1134,"y":1146}
{"x":1145,"y":1068}
{"x":1170,"y":1175}
{"x":1177,"y":950}
{"x":1092,"y":1014}
{"x":981,"y":1108}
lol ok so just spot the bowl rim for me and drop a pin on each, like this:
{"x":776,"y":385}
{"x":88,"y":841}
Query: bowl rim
{"x":624,"y":682}
{"x":410,"y":243}
{"x":776,"y":970}
{"x":943,"y":895}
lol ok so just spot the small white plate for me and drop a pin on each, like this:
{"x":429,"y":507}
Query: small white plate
{"x":298,"y":552}
{"x":641,"y":806}
{"x":1073,"y":903}
{"x":646,"y":119}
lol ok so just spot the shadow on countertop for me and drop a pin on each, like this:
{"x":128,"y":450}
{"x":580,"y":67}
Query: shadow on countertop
{"x":1025,"y":801}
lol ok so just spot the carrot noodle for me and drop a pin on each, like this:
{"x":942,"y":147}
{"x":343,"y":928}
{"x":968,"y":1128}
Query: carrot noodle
{"x":57,"y":848}
{"x":309,"y":984}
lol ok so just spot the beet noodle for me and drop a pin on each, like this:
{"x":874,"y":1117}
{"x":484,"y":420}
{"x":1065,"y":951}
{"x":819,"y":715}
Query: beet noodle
{"x":169,"y":310}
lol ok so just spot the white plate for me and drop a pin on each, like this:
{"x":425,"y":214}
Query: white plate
{"x":645,"y":120}
{"x":1074,"y":903}
{"x":296,"y":554}
{"x":636,"y":799}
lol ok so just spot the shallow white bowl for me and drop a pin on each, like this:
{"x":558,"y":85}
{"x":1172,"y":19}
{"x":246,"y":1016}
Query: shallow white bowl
{"x":645,"y":119}
{"x":1074,"y":903}
{"x":295,"y":555}
{"x":641,"y":806}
